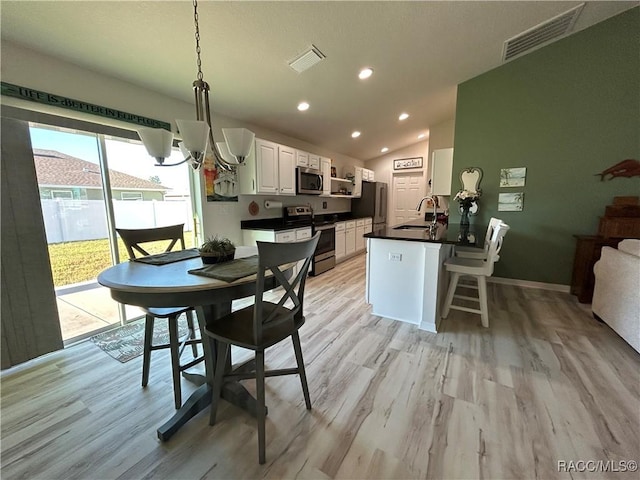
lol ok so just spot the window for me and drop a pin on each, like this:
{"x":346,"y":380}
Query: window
{"x":131,"y":195}
{"x":64,"y":194}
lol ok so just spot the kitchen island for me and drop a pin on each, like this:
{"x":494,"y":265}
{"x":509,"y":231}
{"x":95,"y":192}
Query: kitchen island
{"x":406,"y":279}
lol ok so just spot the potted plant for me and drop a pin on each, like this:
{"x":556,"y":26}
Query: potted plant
{"x":216,"y":250}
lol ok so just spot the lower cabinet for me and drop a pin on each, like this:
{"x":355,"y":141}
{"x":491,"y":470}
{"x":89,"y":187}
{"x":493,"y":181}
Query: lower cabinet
{"x":359,"y":235}
{"x":350,"y":237}
{"x":341,"y":241}
{"x":249,"y":237}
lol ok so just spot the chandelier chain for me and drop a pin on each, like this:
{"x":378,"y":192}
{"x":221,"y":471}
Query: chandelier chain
{"x":195,"y":21}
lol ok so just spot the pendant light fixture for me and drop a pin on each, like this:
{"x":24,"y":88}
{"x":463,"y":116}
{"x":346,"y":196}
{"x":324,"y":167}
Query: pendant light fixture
{"x":197,"y":135}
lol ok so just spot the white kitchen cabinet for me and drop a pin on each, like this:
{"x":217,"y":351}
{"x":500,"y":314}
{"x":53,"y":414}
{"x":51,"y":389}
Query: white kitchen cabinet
{"x":359,"y":236}
{"x":350,"y":237}
{"x":314,"y":161}
{"x":249,"y":237}
{"x":286,"y":170}
{"x":269,"y":169}
{"x":302,"y":158}
{"x":325,"y":167}
{"x":441,"y":171}
{"x":340,"y":240}
{"x":356,"y":172}
{"x":266,"y":166}
{"x":371,"y":175}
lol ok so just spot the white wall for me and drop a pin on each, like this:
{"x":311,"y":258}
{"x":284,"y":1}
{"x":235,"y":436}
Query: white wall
{"x":383,"y":166}
{"x":28,"y":68}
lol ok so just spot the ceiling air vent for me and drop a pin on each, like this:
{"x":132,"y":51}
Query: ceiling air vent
{"x":307,"y":59}
{"x":541,"y":34}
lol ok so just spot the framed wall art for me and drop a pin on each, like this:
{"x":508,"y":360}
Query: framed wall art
{"x":403,"y":163}
{"x":510,"y":202}
{"x":513,"y":177}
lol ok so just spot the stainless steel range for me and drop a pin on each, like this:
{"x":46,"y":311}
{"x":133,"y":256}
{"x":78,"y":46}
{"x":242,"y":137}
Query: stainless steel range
{"x":324,"y":257}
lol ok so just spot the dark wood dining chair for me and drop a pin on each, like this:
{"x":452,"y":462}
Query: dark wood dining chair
{"x":264,"y":324}
{"x":133,"y":240}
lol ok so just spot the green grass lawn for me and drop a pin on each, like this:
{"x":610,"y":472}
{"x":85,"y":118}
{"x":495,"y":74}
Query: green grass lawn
{"x":75,"y":262}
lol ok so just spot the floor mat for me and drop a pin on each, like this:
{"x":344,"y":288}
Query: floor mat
{"x":126,"y":342}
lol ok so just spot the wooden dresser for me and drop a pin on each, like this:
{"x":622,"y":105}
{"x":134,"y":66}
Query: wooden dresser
{"x":621,"y":220}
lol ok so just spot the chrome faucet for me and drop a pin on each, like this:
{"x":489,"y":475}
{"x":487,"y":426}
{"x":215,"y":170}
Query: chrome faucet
{"x":434,"y":200}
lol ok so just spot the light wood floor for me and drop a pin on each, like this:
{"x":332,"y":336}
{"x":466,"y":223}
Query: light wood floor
{"x":545,"y":383}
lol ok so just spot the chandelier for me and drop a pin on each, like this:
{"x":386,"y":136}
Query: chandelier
{"x":197,"y":135}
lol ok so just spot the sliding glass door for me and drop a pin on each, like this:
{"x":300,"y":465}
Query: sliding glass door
{"x":80,"y":205}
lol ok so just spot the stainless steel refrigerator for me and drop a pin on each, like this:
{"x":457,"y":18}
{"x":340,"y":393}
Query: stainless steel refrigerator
{"x":372,"y":203}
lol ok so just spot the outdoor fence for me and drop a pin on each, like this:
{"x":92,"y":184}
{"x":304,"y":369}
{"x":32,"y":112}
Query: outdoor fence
{"x":76,"y":220}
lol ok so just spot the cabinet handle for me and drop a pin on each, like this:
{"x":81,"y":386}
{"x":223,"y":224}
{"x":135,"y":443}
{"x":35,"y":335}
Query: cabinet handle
{"x":253,"y":185}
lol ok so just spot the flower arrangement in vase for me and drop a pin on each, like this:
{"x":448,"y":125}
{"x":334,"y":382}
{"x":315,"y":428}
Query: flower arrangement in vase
{"x":217,"y":250}
{"x":466,"y":198}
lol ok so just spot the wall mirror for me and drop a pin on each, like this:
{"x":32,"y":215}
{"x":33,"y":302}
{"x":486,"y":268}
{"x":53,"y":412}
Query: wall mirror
{"x":470,"y":179}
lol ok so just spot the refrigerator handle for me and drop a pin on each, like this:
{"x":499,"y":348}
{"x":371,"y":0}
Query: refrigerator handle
{"x":383,"y":203}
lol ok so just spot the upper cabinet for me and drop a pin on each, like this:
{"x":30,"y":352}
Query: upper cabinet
{"x":368,"y":175}
{"x":356,"y":174}
{"x":269,"y":169}
{"x":441,"y":169}
{"x":314,"y":161}
{"x":325,"y":167}
{"x":302,"y":158}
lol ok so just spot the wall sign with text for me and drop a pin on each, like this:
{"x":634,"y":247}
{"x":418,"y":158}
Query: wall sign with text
{"x":38,"y":96}
{"x":402,"y":163}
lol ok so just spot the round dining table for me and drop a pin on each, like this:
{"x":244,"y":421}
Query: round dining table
{"x":171,"y":285}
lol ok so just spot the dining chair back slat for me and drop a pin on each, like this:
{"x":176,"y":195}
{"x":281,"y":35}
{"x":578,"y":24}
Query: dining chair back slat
{"x":271,"y":256}
{"x":133,"y":238}
{"x":479,"y":252}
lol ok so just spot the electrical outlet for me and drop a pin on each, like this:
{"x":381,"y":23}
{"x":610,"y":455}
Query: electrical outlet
{"x":324,"y":205}
{"x":395,"y":257}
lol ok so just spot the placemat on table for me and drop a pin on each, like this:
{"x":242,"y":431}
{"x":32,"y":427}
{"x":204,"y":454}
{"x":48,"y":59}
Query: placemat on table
{"x":169,"y":257}
{"x":229,"y":271}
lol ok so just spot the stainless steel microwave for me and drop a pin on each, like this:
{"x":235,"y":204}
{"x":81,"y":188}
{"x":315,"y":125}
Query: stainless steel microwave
{"x":308,"y":181}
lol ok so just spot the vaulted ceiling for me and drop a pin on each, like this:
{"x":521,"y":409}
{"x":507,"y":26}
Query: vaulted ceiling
{"x":419,"y":52}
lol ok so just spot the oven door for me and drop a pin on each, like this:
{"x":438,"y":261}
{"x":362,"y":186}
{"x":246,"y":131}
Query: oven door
{"x":324,"y":257}
{"x":308,"y":181}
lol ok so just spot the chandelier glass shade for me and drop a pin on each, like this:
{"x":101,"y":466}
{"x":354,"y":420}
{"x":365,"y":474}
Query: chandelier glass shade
{"x":197,"y":135}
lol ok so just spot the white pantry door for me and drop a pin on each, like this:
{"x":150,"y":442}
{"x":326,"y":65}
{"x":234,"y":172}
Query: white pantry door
{"x":408,"y":189}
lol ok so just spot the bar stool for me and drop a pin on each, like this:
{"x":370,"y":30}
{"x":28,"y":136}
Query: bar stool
{"x":480,"y":269}
{"x":133,"y":240}
{"x":478,"y":252}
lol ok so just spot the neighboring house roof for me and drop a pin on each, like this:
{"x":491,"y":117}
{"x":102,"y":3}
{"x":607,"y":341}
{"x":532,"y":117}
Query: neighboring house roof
{"x":58,"y":169}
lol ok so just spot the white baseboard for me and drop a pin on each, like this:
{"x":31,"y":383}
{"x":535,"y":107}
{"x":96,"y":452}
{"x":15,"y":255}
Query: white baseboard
{"x":556,"y":287}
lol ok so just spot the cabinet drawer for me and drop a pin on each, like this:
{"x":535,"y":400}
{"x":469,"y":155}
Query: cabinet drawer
{"x":284,"y":237}
{"x":368,"y":221}
{"x":350,"y":224}
{"x":340,"y":226}
{"x":360,"y":222}
{"x":303,"y":233}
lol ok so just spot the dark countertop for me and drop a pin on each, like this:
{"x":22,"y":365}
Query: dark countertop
{"x":278,"y":224}
{"x":413,"y":234}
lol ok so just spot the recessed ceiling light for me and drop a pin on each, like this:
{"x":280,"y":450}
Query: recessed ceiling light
{"x":302,"y":106}
{"x":403,"y":116}
{"x":384,"y":149}
{"x":365,"y":73}
{"x":355,"y":134}
{"x":422,"y":135}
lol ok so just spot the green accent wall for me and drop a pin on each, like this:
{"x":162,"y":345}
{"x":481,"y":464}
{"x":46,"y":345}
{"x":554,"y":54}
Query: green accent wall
{"x":565,"y":112}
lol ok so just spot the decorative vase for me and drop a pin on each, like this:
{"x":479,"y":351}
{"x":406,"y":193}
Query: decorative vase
{"x":463,"y":237}
{"x":464,"y":219}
